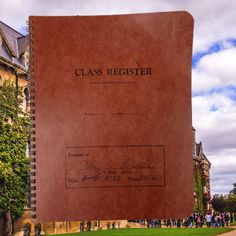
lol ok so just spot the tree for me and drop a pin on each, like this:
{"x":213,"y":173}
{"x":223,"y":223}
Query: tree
{"x":222,"y":203}
{"x":231,"y":201}
{"x":219,"y":202}
{"x":233,"y":191}
{"x":14,"y":164}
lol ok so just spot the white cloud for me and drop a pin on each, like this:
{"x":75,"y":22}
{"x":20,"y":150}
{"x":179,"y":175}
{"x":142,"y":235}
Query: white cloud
{"x":220,"y":65}
{"x":214,"y":116}
{"x":215,"y":70}
{"x":223,"y":172}
{"x":202,"y":81}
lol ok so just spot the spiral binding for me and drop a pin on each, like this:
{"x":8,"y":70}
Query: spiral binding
{"x":32,"y":126}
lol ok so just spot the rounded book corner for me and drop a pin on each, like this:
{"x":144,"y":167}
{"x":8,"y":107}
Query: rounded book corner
{"x":188,"y":15}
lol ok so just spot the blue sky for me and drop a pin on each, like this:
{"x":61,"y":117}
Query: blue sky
{"x":23,"y":30}
{"x":214,"y":108}
{"x":213,"y":73}
{"x":214,"y":48}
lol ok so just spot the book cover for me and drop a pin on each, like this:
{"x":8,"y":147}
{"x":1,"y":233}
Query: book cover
{"x":111,"y":132}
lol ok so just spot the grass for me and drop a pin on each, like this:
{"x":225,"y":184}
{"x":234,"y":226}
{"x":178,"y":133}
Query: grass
{"x":154,"y":232}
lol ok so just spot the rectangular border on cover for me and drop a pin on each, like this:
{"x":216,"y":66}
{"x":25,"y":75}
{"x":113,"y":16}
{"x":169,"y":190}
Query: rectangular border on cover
{"x":115,"y":166}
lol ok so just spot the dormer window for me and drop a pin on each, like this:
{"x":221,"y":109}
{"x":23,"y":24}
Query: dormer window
{"x":26,"y":58}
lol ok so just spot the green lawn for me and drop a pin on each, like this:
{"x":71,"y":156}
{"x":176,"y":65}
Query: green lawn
{"x":153,"y":232}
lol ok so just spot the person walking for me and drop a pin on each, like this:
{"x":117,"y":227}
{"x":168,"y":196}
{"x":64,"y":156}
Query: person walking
{"x":227,"y":219}
{"x":178,"y":223}
{"x":168,"y":223}
{"x":218,"y":220}
{"x":81,"y":226}
{"x":201,"y":220}
{"x":208,"y":219}
{"x":198,"y":224}
{"x":190,"y":220}
{"x":231,"y":218}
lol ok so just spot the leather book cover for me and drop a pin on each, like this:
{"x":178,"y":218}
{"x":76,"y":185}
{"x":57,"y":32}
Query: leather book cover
{"x":111,"y":132}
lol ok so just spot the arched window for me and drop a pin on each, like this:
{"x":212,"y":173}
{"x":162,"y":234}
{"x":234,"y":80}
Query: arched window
{"x":27,"y":229}
{"x":37,"y":229}
{"x":26,"y":100}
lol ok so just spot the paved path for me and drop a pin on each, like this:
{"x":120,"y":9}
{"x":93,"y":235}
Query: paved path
{"x":231,"y":233}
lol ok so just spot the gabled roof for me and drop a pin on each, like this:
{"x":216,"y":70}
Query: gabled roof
{"x":10,"y":35}
{"x":200,"y":153}
{"x":13,"y":45}
{"x":205,"y":158}
{"x":22,"y":44}
{"x":198,"y":148}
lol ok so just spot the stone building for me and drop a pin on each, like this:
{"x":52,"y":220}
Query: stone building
{"x":14,"y":62}
{"x":14,"y":59}
{"x":14,"y":54}
{"x":202,"y":195}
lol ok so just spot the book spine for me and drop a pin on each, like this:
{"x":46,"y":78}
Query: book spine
{"x":32,"y":122}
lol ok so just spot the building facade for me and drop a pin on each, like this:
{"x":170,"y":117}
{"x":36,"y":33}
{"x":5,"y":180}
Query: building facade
{"x":14,"y":59}
{"x":14,"y":62}
{"x":14,"y":52}
{"x":201,"y":165}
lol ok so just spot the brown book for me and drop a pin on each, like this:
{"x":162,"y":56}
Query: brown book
{"x":111,"y":134}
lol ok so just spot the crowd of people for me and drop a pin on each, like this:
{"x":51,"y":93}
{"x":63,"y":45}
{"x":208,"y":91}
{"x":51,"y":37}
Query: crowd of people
{"x":195,"y":220}
{"x":220,"y":220}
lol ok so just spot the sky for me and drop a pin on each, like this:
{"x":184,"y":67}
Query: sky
{"x":213,"y":70}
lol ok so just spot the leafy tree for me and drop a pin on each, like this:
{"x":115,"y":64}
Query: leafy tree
{"x":231,"y":200}
{"x":227,"y":202}
{"x":233,"y":191}
{"x":14,"y":164}
{"x":219,"y":202}
{"x":231,"y":203}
